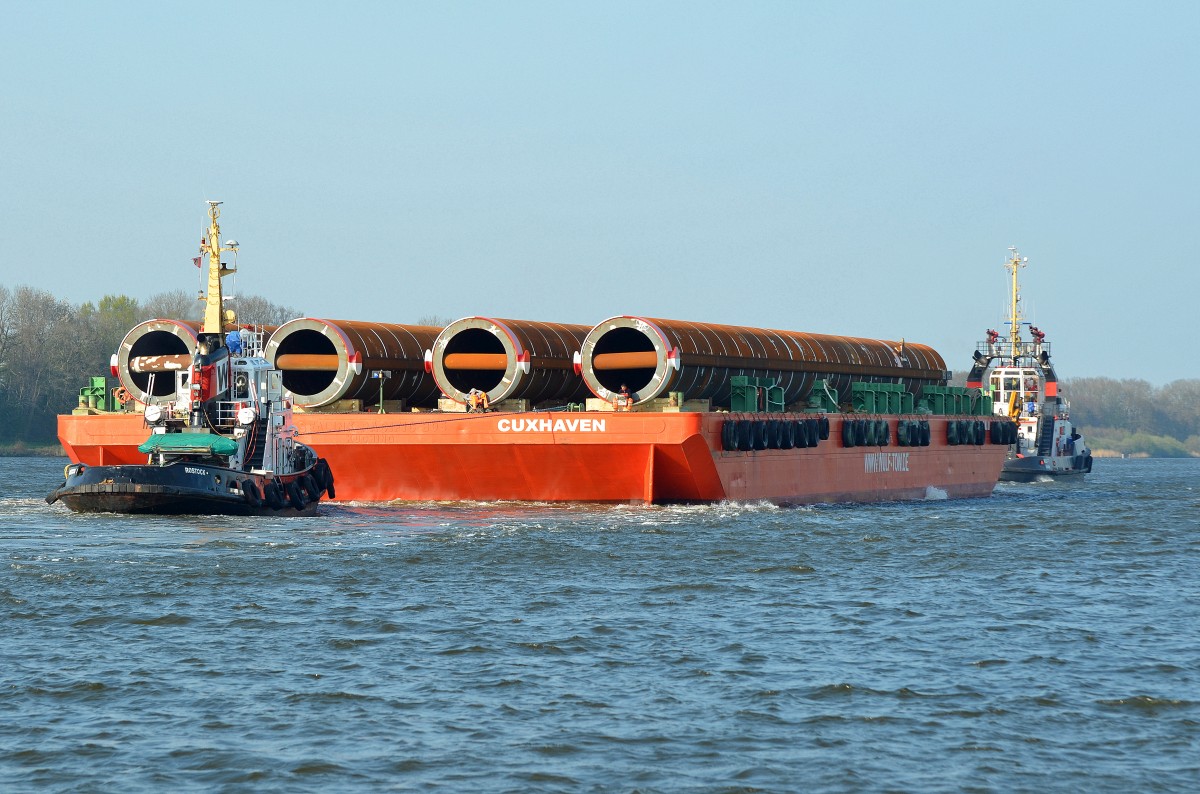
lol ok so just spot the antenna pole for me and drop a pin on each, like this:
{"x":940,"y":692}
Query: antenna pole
{"x":214,"y":310}
{"x":1014,"y":264}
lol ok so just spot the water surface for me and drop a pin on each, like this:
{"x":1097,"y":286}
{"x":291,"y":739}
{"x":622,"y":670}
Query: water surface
{"x":1043,"y":639}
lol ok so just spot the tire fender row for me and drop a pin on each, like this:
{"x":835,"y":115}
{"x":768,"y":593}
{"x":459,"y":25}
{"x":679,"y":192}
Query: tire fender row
{"x":296,"y":493}
{"x":976,"y":432}
{"x":878,"y":433}
{"x":746,"y":435}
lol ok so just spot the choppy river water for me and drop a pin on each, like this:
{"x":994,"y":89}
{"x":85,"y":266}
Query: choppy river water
{"x":1047,"y":638}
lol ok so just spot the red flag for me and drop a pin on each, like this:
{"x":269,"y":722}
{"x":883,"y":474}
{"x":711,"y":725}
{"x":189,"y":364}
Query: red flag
{"x":196,"y":261}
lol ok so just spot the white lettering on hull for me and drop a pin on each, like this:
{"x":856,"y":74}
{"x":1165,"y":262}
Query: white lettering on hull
{"x":551,"y":425}
{"x":874,"y":462}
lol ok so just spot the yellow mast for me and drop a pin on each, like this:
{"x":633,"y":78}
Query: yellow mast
{"x":1015,"y":263}
{"x":215,"y":317}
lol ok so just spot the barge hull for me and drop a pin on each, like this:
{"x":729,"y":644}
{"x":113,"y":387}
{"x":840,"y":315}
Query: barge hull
{"x":634,"y":457}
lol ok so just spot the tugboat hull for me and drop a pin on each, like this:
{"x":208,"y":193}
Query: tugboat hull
{"x":189,"y":488}
{"x":1031,"y":469}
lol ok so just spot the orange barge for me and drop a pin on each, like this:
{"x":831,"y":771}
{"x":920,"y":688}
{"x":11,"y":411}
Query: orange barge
{"x":590,"y":456}
{"x":634,"y":409}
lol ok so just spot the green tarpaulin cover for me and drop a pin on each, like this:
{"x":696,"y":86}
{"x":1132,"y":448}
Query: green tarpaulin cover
{"x":196,"y":443}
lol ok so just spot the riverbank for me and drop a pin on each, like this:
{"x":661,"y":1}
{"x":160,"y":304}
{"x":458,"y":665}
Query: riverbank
{"x":22,"y":450}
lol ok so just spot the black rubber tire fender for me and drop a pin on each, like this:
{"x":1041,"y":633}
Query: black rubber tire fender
{"x":311,"y":489}
{"x":729,"y":435}
{"x":772,"y":433}
{"x":760,"y":435}
{"x":788,"y":438}
{"x":803,"y":439}
{"x":745,"y":435}
{"x":926,"y":433}
{"x":325,"y":479}
{"x":884,"y":433}
{"x":250,"y":493}
{"x":849,"y":433}
{"x":273,"y":495}
{"x":823,"y":424}
{"x":294,"y":495}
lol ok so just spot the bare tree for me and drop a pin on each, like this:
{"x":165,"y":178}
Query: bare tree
{"x":176,"y":304}
{"x":260,"y":311}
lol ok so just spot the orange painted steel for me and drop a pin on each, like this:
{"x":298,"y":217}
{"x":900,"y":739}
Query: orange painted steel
{"x":312,"y":362}
{"x":531,"y":360}
{"x":476,"y":361}
{"x":654,"y":356}
{"x":644,"y":360}
{"x":639,"y":457}
{"x":359,"y":348}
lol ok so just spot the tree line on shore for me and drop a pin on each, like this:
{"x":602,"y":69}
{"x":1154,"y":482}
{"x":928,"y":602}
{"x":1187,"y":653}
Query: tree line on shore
{"x":49,"y":348}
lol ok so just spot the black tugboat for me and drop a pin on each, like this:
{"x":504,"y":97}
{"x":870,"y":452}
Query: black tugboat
{"x":1024,"y":387}
{"x":225,"y":444}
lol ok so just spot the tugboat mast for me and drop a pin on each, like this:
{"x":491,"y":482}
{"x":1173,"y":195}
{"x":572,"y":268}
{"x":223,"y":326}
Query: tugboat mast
{"x":215,"y":316}
{"x":1015,"y":263}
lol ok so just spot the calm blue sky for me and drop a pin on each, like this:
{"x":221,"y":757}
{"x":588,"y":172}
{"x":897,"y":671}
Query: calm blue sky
{"x":855,"y":168}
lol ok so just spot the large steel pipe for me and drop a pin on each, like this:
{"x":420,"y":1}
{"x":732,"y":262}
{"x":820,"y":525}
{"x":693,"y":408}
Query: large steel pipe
{"x":150,"y":355}
{"x":509,"y":360}
{"x":652,"y":357}
{"x":324,"y":361}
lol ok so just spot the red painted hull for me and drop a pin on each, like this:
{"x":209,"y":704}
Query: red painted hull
{"x":588,"y":457}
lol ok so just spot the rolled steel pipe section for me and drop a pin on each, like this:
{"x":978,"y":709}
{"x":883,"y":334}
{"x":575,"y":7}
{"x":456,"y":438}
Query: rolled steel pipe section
{"x":652,"y":357}
{"x":324,"y":361}
{"x":509,"y":360}
{"x":150,"y":355}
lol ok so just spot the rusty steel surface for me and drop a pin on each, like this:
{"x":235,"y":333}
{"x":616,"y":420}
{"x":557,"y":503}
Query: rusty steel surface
{"x":141,"y":364}
{"x":654,"y":356}
{"x":509,"y":359}
{"x":317,"y":359}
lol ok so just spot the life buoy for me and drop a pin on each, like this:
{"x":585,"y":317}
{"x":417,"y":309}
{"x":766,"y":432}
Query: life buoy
{"x":295,"y":497}
{"x":250,"y":493}
{"x":121,"y":395}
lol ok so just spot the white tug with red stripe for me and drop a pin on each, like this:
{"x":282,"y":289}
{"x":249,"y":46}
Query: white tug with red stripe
{"x":1024,"y":387}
